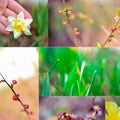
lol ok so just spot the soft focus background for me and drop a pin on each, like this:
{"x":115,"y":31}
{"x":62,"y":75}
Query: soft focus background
{"x":19,"y":64}
{"x":93,"y":18}
{"x":61,"y":71}
{"x":115,"y":99}
{"x":51,"y":106}
{"x":39,"y":28}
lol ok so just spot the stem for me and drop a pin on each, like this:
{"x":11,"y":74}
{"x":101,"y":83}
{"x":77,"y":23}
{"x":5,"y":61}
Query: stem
{"x":75,"y":39}
{"x":108,"y":38}
{"x":22,"y":104}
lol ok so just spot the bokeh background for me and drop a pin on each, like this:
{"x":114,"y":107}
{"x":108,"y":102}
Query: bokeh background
{"x":39,"y":27}
{"x":19,"y":64}
{"x":51,"y":106}
{"x":93,"y":18}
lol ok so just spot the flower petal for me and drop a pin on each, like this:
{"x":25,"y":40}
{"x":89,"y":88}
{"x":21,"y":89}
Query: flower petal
{"x":111,"y":107}
{"x":28,"y":21}
{"x":10,"y":28}
{"x":27,"y":31}
{"x":16,"y":34}
{"x":10,"y":19}
{"x":20,"y":15}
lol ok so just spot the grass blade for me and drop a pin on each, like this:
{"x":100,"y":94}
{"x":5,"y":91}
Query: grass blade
{"x":46,"y":86}
{"x":89,"y":89}
{"x":72,"y":89}
{"x":46,"y":82}
{"x":81,"y":71}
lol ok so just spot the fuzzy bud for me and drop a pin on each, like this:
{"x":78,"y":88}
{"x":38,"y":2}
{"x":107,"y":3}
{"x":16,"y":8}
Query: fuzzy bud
{"x":14,"y":82}
{"x":26,"y":106}
{"x":113,"y":29}
{"x":15,"y":98}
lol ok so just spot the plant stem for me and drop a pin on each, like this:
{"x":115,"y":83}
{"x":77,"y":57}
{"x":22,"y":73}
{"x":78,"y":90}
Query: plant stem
{"x":75,"y":39}
{"x":24,"y":109}
{"x":108,"y":38}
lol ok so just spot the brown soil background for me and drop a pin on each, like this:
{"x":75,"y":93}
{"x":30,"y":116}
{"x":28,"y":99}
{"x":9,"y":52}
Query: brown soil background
{"x":28,"y":90}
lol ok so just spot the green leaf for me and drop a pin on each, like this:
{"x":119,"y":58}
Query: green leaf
{"x":72,"y":80}
{"x":46,"y":83}
{"x":46,"y":86}
{"x":72,"y":89}
{"x":81,"y":71}
{"x":91,"y":85}
{"x":112,"y":36}
{"x":99,"y":45}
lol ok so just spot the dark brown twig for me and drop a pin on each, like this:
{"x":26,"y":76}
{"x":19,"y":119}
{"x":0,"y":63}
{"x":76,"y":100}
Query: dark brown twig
{"x":16,"y":96}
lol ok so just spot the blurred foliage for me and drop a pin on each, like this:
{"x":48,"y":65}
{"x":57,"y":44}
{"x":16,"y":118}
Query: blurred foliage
{"x":41,"y":23}
{"x":89,"y":71}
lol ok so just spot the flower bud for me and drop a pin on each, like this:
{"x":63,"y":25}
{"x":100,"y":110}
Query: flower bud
{"x":26,"y":106}
{"x":15,"y":98}
{"x":14,"y":82}
{"x":113,"y":29}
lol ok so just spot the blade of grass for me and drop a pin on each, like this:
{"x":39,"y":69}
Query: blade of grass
{"x":72,"y":89}
{"x":91,"y":85}
{"x":81,"y":74}
{"x":46,"y":82}
{"x":81,"y":71}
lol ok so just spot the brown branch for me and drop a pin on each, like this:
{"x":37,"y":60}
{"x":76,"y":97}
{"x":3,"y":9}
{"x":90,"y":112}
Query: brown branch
{"x":16,"y":96}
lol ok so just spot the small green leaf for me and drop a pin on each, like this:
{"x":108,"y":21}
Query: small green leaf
{"x":112,"y":36}
{"x":99,"y":45}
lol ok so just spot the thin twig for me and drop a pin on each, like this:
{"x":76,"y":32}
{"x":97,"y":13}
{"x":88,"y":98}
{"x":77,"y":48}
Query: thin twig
{"x":16,"y":95}
{"x":108,"y":38}
{"x":75,"y":39}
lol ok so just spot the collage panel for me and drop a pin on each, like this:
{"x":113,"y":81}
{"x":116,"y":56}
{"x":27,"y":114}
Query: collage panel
{"x":84,"y":23}
{"x":72,"y":108}
{"x":79,"y":72}
{"x":112,"y":108}
{"x":19,"y":84}
{"x":23,"y":23}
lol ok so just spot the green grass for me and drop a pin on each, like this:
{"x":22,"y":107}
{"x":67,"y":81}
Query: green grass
{"x":79,"y":72}
{"x":41,"y":23}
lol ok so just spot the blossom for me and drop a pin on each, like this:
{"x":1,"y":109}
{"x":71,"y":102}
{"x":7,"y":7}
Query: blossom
{"x":113,"y":111}
{"x":19,"y":25}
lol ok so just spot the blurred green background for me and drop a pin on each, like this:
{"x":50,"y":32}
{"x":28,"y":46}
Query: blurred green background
{"x":74,"y":71}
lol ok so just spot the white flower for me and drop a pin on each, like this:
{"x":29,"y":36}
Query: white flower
{"x":19,"y":25}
